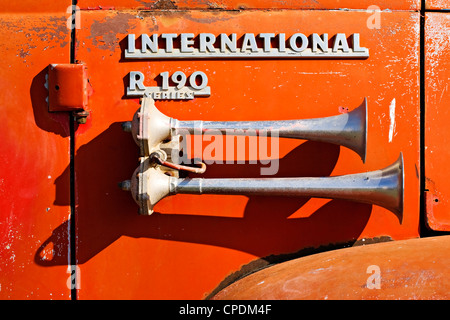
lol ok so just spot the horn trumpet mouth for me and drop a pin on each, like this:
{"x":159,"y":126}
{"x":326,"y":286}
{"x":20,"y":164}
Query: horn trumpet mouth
{"x":398,"y":170}
{"x":361,"y":146}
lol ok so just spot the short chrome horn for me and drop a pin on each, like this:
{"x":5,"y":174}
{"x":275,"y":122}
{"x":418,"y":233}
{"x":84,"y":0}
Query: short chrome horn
{"x":150,"y":127}
{"x":381,"y":187}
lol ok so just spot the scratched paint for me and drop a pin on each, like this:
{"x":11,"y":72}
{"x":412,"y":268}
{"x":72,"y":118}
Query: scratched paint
{"x":34,"y":154}
{"x":248,"y":4}
{"x":51,"y":30}
{"x":437,"y":44}
{"x":105,"y":33}
{"x":437,"y":4}
{"x":392,"y":120}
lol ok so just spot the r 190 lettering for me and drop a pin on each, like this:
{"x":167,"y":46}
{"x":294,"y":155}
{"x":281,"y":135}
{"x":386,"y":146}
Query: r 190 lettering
{"x":197,"y":80}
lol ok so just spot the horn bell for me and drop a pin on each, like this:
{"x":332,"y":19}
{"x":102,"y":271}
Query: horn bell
{"x":390,"y":192}
{"x":356,"y":139}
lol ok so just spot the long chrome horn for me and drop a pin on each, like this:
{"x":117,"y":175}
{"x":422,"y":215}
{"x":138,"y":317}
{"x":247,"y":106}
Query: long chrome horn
{"x":150,"y":127}
{"x":381,"y":187}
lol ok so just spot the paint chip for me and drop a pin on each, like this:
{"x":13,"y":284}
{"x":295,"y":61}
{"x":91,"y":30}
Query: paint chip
{"x":392,"y":118}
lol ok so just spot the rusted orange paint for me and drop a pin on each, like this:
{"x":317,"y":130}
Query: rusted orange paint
{"x":437,"y":4}
{"x":437,"y":57}
{"x":29,"y":6}
{"x":399,"y":270}
{"x":34,"y":153}
{"x":196,"y":241}
{"x":192,"y":243}
{"x":250,"y":4}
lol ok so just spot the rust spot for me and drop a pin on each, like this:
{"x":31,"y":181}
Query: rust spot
{"x":104,"y":34}
{"x":242,"y":6}
{"x":430,"y":202}
{"x":101,"y":8}
{"x":53,"y":29}
{"x":211,"y":4}
{"x":214,"y":16}
{"x":164,"y":5}
{"x":48,"y":29}
{"x":24,"y":53}
{"x":147,"y":4}
{"x":151,"y":22}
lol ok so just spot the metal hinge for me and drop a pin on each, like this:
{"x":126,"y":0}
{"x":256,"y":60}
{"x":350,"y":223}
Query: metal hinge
{"x":68,"y":86}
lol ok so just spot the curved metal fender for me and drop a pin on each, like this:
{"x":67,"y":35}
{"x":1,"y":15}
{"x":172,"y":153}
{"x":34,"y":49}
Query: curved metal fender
{"x":407,"y":269}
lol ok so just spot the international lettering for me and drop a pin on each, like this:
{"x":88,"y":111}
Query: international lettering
{"x":248,"y":45}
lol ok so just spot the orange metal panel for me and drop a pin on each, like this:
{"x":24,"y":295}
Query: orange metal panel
{"x":437,"y":98}
{"x":31,"y":6}
{"x":34,"y":155}
{"x":400,"y":270}
{"x":191,"y":243}
{"x":437,"y":4}
{"x":249,"y":4}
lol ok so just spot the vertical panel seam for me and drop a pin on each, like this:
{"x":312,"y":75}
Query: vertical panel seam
{"x":72,"y":236}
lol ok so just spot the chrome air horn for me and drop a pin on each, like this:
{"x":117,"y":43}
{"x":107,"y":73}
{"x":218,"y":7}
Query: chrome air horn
{"x":381,"y":187}
{"x":150,"y":128}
